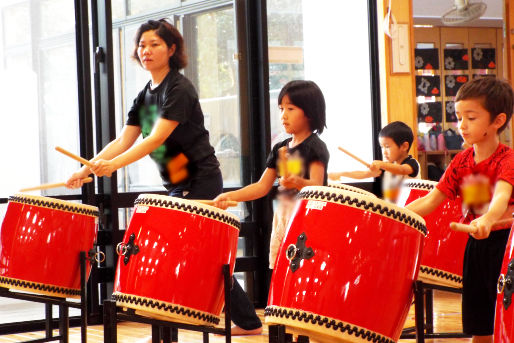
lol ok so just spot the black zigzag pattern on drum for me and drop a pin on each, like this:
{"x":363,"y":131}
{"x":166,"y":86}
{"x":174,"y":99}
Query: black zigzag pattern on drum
{"x":189,"y":208}
{"x":38,"y":287}
{"x":54,"y":205}
{"x":315,"y":319}
{"x":440,"y":274}
{"x":418,"y":185}
{"x":123,"y":298}
{"x":345,"y":199}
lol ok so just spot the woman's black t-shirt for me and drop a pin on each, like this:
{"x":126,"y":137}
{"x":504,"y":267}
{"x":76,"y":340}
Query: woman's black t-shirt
{"x":176,"y":99}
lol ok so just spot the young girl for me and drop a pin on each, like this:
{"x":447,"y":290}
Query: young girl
{"x":303,"y":116}
{"x":167,"y":113}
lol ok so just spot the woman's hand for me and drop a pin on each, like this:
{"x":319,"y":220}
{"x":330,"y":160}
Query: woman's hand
{"x":221,"y":201}
{"x":76,"y":179}
{"x":104,"y":168}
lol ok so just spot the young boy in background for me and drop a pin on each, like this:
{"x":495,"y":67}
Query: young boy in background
{"x":395,"y":140}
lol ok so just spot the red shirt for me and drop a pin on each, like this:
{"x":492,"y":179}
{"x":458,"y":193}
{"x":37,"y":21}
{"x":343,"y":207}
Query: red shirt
{"x":498,"y":166}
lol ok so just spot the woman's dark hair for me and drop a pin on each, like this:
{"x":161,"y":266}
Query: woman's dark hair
{"x":307,"y":96}
{"x":170,"y":35}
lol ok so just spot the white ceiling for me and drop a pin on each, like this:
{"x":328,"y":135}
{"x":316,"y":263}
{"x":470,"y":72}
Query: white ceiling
{"x":430,"y":12}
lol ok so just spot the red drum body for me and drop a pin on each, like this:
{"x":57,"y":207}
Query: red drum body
{"x":346,"y":267}
{"x":351,"y":189}
{"x":40,"y":244}
{"x":443,"y":253}
{"x":171,"y":258}
{"x":504,"y":320}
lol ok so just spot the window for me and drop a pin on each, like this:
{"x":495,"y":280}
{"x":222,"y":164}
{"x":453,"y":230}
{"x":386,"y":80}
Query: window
{"x":38,"y":83}
{"x":304,"y":43}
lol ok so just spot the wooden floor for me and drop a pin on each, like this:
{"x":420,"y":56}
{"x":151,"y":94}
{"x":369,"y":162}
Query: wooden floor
{"x":447,"y":318}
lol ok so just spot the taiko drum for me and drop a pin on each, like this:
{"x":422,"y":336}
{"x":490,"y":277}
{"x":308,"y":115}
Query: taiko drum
{"x":40,"y":243}
{"x":504,"y":319}
{"x":443,"y":252}
{"x":350,"y":188}
{"x":171,"y":258}
{"x":346,"y":267}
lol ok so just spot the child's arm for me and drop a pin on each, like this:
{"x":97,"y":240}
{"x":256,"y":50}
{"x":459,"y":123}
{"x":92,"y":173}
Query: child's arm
{"x":427,"y":204}
{"x":398,"y":169}
{"x":251,"y":192}
{"x":497,"y":208}
{"x":358,"y":174}
{"x":316,"y":177}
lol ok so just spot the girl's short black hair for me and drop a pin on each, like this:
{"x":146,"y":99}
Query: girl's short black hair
{"x":170,"y":35}
{"x":399,"y":132}
{"x":307,"y":96}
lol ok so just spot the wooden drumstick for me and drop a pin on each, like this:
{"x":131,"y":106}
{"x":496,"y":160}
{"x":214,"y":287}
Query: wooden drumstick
{"x":500,"y":224}
{"x":75,"y":157}
{"x":354,"y":157}
{"x":230,"y":203}
{"x":52,"y":185}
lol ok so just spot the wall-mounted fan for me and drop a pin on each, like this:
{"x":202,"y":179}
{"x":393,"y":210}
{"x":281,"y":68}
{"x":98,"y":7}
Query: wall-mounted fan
{"x":463,"y":11}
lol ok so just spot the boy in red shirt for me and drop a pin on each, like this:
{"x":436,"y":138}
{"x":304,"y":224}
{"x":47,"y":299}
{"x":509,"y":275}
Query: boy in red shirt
{"x":483,"y":175}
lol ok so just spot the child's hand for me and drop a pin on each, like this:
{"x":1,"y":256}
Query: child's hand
{"x":483,"y":225}
{"x":334,"y":176}
{"x":76,"y":179}
{"x":221,"y":201}
{"x":376,"y":166}
{"x":290,"y":181}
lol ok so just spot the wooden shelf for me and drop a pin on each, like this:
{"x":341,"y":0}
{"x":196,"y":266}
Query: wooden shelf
{"x":440,"y":157}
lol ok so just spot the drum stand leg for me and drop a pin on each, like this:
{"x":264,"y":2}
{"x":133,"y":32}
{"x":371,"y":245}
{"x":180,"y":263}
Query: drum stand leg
{"x":62,"y":303}
{"x":424,"y":313}
{"x":277,"y":334}
{"x":167,"y":331}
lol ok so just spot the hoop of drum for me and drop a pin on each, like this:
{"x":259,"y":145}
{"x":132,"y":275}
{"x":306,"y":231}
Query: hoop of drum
{"x":344,"y":271}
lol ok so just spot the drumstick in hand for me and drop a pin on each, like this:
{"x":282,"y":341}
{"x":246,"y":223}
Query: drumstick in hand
{"x":52,"y":185}
{"x":500,"y":224}
{"x":354,"y":157}
{"x":230,"y":203}
{"x":75,"y":157}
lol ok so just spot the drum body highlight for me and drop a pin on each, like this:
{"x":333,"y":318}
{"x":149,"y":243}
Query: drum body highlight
{"x":504,"y":319}
{"x":443,"y":253}
{"x":40,"y":243}
{"x":346,"y":267}
{"x":171,"y":258}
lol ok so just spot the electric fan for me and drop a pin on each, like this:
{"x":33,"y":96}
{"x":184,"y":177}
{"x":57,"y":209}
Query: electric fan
{"x":463,"y":11}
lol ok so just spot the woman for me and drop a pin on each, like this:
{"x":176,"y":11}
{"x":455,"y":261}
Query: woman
{"x":168,"y":115}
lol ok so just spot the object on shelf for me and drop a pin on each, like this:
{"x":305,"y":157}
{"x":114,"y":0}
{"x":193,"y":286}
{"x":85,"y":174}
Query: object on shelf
{"x":451,"y":117}
{"x":456,"y":59}
{"x":453,"y":140}
{"x":430,"y":112}
{"x":427,"y":59}
{"x":454,"y":82}
{"x":483,"y":58}
{"x":428,"y":85}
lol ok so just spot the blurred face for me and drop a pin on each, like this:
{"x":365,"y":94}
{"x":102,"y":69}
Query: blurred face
{"x":390,"y":150}
{"x":293,"y":118}
{"x":474,"y":121}
{"x":153,"y":51}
